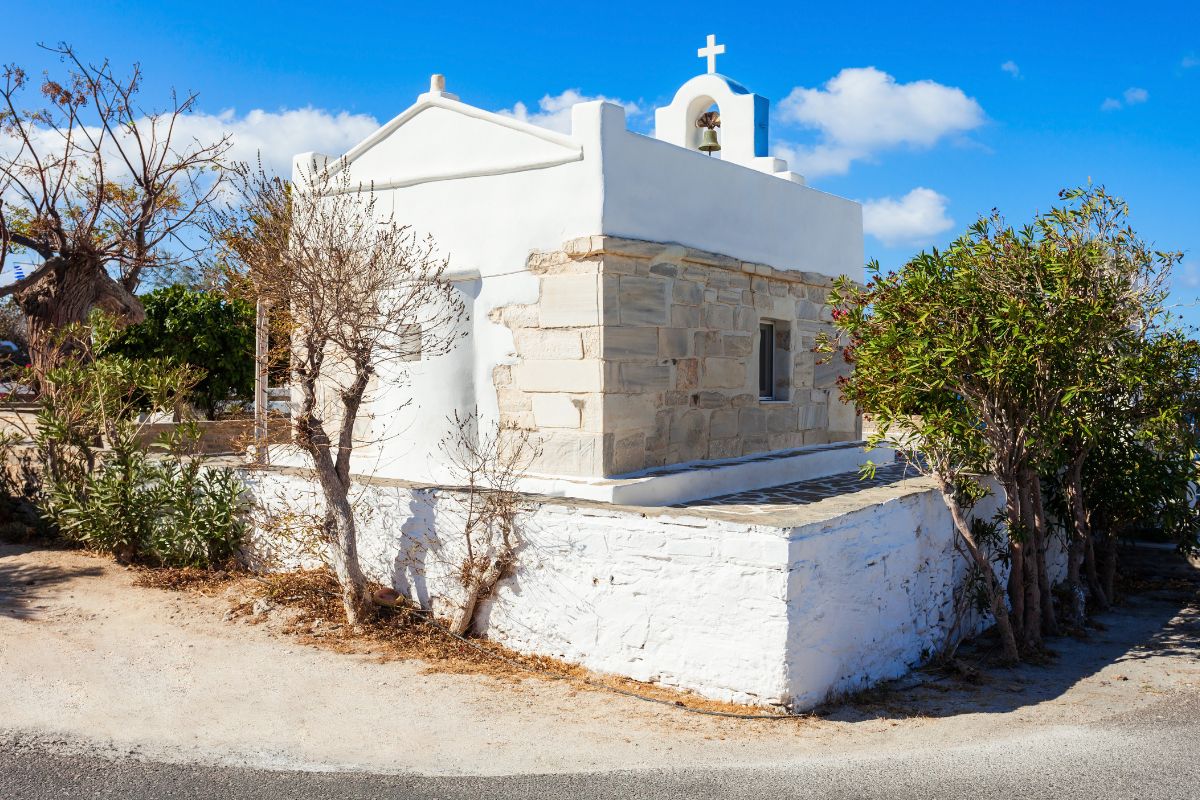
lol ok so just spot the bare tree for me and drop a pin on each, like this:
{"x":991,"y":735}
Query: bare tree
{"x":489,"y":464}
{"x":98,"y":187}
{"x":361,"y":292}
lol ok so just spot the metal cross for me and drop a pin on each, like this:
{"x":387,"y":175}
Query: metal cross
{"x":711,"y":52}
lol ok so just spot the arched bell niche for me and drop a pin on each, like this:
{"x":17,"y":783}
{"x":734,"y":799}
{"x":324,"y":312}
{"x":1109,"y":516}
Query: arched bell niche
{"x":744,"y":117}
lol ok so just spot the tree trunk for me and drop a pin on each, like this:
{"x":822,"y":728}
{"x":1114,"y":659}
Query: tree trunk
{"x":65,"y":296}
{"x":1093,"y":577}
{"x":1081,"y":534}
{"x":1016,"y":571}
{"x":1008,"y":640}
{"x":340,"y":528}
{"x":1042,"y":530}
{"x":480,"y":586}
{"x":342,"y":536}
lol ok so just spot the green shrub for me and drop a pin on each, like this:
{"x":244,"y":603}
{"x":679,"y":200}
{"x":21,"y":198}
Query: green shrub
{"x":106,"y":487}
{"x":198,"y":328}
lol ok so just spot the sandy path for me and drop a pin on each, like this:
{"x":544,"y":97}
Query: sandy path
{"x":88,"y":658}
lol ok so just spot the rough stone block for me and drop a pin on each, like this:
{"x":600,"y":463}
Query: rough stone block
{"x":628,"y":411}
{"x":664,"y":269}
{"x":808,"y":310}
{"x":746,"y":318}
{"x":685,"y":316}
{"x":687,"y":374}
{"x":842,"y":416}
{"x":752,"y":421}
{"x":570,"y":301}
{"x":557,"y":376}
{"x":620,"y":265}
{"x":723,"y":423}
{"x":551,"y":343}
{"x":825,"y":374}
{"x":674,"y":342}
{"x":710,"y":399}
{"x":782,"y":419}
{"x":644,"y":301}
{"x":723,"y":373}
{"x":718,"y":317}
{"x":815,"y":415}
{"x":630,"y":342}
{"x":675,"y":399}
{"x":629,"y":453}
{"x":724,"y":448}
{"x":556,"y":411}
{"x":756,"y":443}
{"x":707,"y":343}
{"x":688,"y":293}
{"x":737,"y":344}
{"x":570,"y":453}
{"x":689,"y":428}
{"x":645,"y":377}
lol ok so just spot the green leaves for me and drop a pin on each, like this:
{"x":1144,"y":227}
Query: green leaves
{"x":1017,"y":346}
{"x":211,"y":334}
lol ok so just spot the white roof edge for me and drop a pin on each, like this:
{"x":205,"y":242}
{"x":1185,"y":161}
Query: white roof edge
{"x":351,"y":155}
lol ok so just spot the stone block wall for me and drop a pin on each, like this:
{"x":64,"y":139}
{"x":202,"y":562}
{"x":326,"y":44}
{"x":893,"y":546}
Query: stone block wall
{"x":641,"y":355}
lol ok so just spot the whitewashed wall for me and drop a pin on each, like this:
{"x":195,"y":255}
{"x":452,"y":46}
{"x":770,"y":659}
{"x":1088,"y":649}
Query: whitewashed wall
{"x":758,"y":614}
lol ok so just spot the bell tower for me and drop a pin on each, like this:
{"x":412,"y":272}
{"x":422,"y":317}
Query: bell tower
{"x":743,"y":119}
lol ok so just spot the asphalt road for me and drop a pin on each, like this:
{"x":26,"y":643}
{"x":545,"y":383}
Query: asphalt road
{"x":1152,"y":754}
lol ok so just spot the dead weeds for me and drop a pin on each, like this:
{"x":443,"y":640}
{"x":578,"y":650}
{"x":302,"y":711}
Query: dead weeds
{"x":306,"y":604}
{"x":208,"y":582}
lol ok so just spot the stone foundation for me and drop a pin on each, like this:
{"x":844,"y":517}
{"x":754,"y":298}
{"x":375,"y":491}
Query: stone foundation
{"x":639,"y":355}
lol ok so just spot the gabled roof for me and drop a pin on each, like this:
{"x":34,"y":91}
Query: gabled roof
{"x":440,"y":139}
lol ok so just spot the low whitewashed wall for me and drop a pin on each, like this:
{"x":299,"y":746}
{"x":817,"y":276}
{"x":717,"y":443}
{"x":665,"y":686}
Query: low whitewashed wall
{"x":855,"y":592}
{"x":682,"y":601}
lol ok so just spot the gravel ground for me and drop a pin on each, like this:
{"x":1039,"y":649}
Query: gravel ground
{"x":114,"y":690}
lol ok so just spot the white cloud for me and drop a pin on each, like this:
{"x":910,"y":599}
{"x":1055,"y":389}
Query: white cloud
{"x":1132,"y":97}
{"x":863,"y":111}
{"x":279,"y":135}
{"x":1189,"y":61}
{"x":1011,"y":68}
{"x":554,"y":111}
{"x":912,"y":219}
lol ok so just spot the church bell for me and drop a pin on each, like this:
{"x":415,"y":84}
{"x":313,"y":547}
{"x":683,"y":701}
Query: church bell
{"x":708,"y":141}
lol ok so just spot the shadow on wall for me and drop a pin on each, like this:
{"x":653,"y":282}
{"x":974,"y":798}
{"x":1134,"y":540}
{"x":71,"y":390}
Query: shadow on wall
{"x":22,"y":585}
{"x":1161,"y":619}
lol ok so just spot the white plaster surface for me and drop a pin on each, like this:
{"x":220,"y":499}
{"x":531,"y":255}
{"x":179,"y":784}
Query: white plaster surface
{"x":820,"y":600}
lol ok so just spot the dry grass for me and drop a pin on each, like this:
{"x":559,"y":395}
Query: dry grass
{"x":312,"y":612}
{"x":187,"y":579}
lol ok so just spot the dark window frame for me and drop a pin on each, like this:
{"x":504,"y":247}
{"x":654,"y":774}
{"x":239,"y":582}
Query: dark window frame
{"x":766,"y":361}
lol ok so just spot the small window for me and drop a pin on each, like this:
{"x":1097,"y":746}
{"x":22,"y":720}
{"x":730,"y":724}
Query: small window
{"x":766,"y":361}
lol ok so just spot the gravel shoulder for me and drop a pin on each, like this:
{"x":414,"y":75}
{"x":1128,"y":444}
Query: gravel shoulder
{"x":97,"y":668}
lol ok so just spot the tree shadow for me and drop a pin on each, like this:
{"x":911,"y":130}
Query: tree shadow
{"x":23,"y":586}
{"x":1161,"y":619}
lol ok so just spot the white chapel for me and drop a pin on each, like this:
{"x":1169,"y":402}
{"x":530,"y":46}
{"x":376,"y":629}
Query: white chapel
{"x":645,"y":305}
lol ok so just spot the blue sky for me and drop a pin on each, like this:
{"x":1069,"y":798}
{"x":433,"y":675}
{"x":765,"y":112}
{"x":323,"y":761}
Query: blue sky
{"x":929,"y":113}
